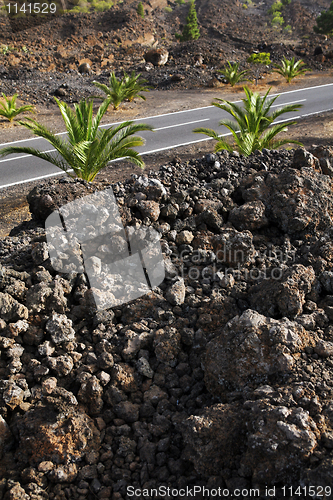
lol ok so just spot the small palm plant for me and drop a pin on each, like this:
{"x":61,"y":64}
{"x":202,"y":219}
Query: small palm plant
{"x":10,"y":110}
{"x":88,"y":148}
{"x":129,"y":87}
{"x":290,"y":68}
{"x":135,"y":86}
{"x":232,"y":74}
{"x":253,"y":128}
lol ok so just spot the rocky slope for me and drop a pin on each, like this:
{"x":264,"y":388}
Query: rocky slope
{"x":220,"y":377}
{"x":45,"y":61}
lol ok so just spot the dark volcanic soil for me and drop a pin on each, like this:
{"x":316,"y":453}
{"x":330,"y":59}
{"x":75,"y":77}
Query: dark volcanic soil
{"x":42,"y":59}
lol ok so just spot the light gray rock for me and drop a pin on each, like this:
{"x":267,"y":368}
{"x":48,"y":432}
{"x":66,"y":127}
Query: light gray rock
{"x":10,"y":309}
{"x":60,"y":328}
{"x":176,"y":293}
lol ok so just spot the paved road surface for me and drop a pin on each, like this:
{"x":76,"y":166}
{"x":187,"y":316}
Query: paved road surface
{"x":171,"y":130}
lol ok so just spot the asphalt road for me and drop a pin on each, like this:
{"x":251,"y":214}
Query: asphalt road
{"x":171,"y":130}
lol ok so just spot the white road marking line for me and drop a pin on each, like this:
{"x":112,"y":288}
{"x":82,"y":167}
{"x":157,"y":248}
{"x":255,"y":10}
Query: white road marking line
{"x":316,"y":112}
{"x":26,"y":156}
{"x":168,"y":147}
{"x":287,"y":103}
{"x":34,"y":179}
{"x":164,"y":114}
{"x":305,"y":88}
{"x":25,"y":140}
{"x":15,"y":158}
{"x":172,"y":147}
{"x":286,"y":120}
{"x":118,"y":123}
{"x":181,"y":124}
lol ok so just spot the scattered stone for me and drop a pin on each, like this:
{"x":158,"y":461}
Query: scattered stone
{"x":60,"y":92}
{"x":149,"y":209}
{"x":84,"y":68}
{"x":11,"y":309}
{"x":127,"y":411}
{"x":60,"y":328}
{"x":211,"y":455}
{"x":144,"y":368}
{"x":176,"y":293}
{"x":158,"y":57}
{"x":250,"y":216}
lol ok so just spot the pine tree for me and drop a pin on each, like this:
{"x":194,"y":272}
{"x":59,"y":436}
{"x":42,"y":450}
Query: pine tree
{"x":325,"y":22}
{"x":191,"y":29}
{"x":140,"y":11}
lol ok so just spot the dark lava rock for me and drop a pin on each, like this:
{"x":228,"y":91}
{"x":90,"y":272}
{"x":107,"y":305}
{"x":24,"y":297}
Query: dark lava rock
{"x":60,"y":92}
{"x":84,"y":68}
{"x":271,"y":348}
{"x":158,"y":57}
{"x":92,"y":402}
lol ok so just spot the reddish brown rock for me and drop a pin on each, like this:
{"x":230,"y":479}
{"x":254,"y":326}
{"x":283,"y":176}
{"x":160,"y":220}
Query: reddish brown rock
{"x":44,"y":199}
{"x":142,"y":307}
{"x":232,"y":248}
{"x":16,"y":492}
{"x":285,"y":296}
{"x":61,"y":434}
{"x":203,"y":204}
{"x":127,"y":411}
{"x":85,"y":67}
{"x":124,"y":377}
{"x":150,"y":209}
{"x":11,"y":309}
{"x":13,"y":395}
{"x":295,"y":200}
{"x":250,"y":349}
{"x":249,"y":216}
{"x":175,"y":294}
{"x":303,"y":158}
{"x":167,"y":345}
{"x":215,"y":314}
{"x":325,"y":157}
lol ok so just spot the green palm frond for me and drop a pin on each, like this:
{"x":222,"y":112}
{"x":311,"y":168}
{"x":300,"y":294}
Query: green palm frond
{"x":268,"y":140}
{"x":127,"y":88}
{"x":252,"y":127}
{"x":232,"y":74}
{"x":221,"y":143}
{"x":10,"y":110}
{"x":58,"y":161}
{"x":88,"y":148}
{"x":289,"y":68}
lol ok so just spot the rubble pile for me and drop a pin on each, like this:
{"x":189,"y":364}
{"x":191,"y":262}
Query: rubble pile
{"x":220,"y":376}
